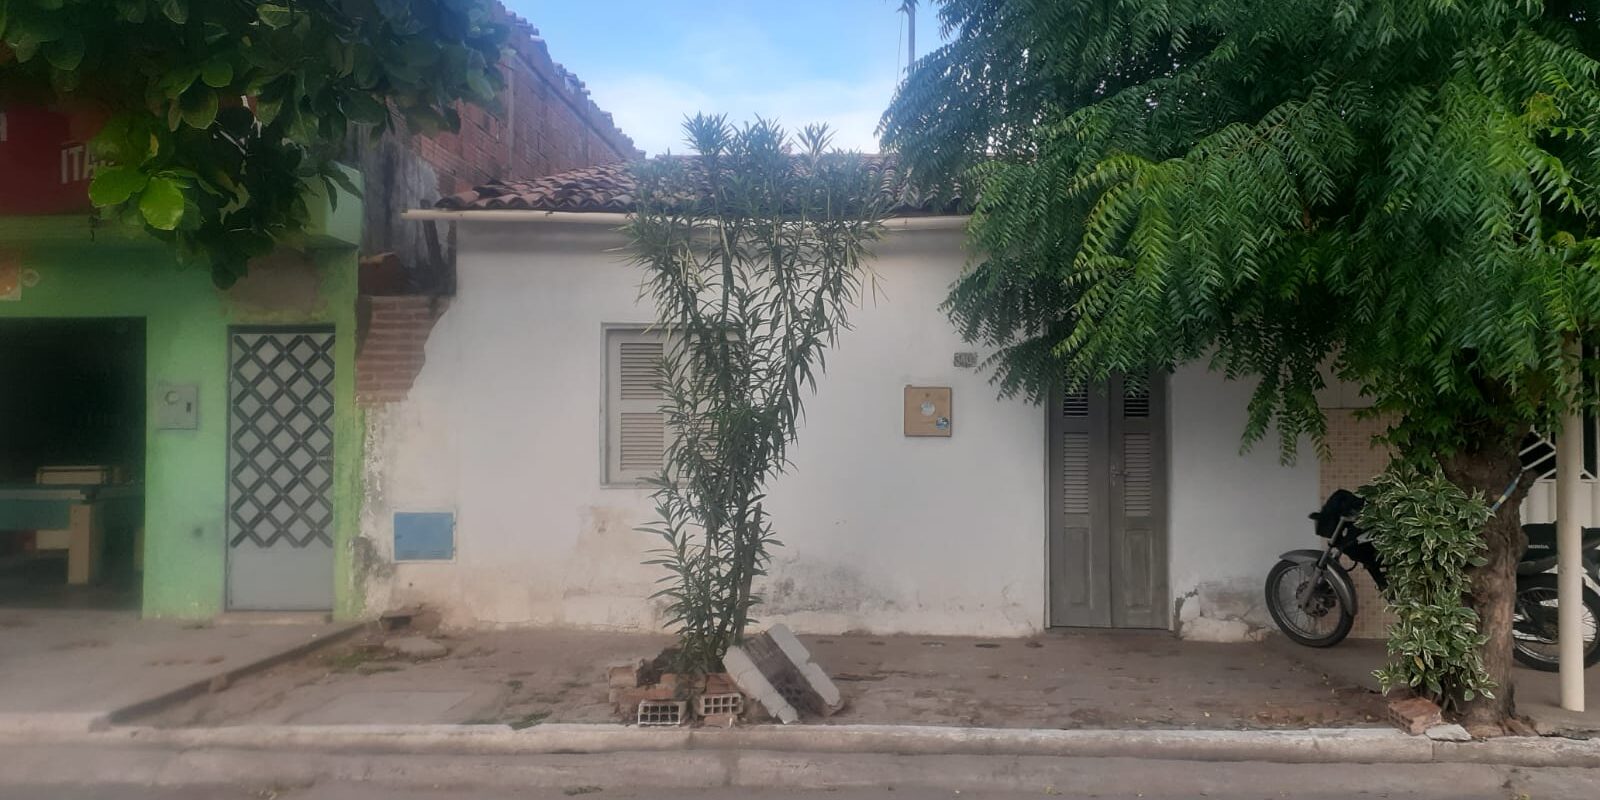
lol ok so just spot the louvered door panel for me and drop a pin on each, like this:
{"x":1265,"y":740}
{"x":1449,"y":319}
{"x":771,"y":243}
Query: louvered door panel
{"x":1107,"y":537}
{"x":1079,"y":560}
{"x":1139,"y":554}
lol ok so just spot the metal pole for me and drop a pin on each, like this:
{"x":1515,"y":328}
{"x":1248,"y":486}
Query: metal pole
{"x":1569,"y":566}
{"x":911,"y":35}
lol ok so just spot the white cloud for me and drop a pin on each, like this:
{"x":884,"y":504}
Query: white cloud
{"x":651,"y":107}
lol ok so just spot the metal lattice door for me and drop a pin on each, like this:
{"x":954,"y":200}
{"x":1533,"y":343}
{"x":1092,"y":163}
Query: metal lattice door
{"x":280,"y":469}
{"x":1108,"y":551}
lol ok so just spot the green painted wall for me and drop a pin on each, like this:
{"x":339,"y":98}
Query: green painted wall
{"x":186,"y":325}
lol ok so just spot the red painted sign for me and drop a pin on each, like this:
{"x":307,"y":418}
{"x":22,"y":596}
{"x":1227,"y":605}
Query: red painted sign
{"x":45,"y":165}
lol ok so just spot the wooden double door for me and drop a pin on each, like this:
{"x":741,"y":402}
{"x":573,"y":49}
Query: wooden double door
{"x":1108,"y":500}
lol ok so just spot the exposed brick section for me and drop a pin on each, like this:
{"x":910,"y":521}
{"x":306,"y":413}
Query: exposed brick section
{"x":1414,"y":715}
{"x":611,"y":188}
{"x":1354,"y":460}
{"x":546,"y":124}
{"x":391,"y":351}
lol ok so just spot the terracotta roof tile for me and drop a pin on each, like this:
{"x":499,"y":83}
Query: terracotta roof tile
{"x":610,"y":188}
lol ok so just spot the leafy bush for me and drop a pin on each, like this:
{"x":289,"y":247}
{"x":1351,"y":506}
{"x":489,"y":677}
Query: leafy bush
{"x":1427,"y":531}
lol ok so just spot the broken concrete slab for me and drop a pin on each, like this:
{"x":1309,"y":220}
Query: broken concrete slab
{"x":751,"y":680}
{"x":816,"y":679}
{"x":1448,"y":732}
{"x":786,"y":673}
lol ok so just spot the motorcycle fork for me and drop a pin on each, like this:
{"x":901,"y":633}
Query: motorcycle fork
{"x":1302,"y":597}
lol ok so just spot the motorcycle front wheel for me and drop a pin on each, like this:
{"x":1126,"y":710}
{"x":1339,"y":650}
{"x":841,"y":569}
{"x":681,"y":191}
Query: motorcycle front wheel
{"x":1322,"y":619}
{"x":1534,"y":625}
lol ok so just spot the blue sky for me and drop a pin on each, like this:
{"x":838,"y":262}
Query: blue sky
{"x":650,"y":62}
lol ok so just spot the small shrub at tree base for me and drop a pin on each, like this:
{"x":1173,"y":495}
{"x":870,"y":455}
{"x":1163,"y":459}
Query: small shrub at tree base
{"x":753,"y":253}
{"x":1426,"y":530}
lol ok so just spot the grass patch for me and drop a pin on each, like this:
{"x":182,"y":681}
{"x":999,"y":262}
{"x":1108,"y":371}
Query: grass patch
{"x":356,"y":659}
{"x":528,"y":720}
{"x":516,"y":723}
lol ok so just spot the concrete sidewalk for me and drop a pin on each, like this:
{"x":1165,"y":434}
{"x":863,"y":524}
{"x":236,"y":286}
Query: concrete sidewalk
{"x":1075,"y":680}
{"x":1538,"y":694}
{"x":80,"y":668}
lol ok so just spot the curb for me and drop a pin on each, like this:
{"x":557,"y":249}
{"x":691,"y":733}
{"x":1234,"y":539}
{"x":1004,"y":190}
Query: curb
{"x":60,"y":726}
{"x":204,"y":685}
{"x":1316,"y":746}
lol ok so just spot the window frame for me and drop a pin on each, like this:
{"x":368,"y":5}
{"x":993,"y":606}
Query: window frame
{"x":610,"y":410}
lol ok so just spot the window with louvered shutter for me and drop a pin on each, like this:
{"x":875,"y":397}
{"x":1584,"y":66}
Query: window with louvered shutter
{"x":636,"y":431}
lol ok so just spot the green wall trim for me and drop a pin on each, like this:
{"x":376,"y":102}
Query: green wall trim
{"x":186,"y":329}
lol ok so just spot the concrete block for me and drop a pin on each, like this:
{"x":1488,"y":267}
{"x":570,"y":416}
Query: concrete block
{"x":815,"y":678}
{"x":754,"y":683}
{"x":662,"y":713}
{"x":1449,"y":732}
{"x":710,"y":705}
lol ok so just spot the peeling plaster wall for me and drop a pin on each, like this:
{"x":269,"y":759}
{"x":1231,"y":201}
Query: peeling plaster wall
{"x":884,"y":533}
{"x":1232,"y":513}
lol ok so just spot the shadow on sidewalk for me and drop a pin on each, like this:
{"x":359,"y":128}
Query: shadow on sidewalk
{"x":1538,"y":694}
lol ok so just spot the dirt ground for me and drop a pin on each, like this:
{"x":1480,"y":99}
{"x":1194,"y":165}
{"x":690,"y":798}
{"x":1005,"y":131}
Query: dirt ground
{"x":1060,"y":680}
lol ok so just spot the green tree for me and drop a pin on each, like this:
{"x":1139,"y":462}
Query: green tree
{"x":753,"y":253}
{"x":1404,"y":190}
{"x":220,"y":113}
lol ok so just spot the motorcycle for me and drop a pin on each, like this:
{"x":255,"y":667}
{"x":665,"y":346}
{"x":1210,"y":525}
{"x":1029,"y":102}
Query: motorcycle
{"x":1313,"y":601}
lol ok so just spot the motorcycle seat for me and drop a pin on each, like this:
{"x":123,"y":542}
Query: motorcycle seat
{"x":1542,"y":536}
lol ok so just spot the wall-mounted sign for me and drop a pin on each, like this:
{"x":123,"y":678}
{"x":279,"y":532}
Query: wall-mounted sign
{"x":928,"y":411}
{"x":44,"y":156}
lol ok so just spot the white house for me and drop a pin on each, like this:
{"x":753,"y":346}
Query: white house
{"x":497,"y":492}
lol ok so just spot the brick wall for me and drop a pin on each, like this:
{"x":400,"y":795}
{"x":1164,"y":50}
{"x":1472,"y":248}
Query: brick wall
{"x":394,"y":332}
{"x":546,"y":124}
{"x":1354,"y":460}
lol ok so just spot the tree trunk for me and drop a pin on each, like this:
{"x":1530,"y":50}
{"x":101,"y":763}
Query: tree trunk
{"x":1490,"y":469}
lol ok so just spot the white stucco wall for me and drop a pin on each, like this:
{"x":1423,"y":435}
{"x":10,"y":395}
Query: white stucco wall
{"x":1232,"y":513}
{"x":883,"y":533}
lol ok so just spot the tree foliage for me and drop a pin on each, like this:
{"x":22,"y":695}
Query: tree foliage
{"x":1402,"y":191}
{"x":1407,"y":188}
{"x":753,"y":255}
{"x":220,"y":112}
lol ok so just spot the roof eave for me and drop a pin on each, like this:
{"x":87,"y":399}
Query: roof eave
{"x":614,"y":219}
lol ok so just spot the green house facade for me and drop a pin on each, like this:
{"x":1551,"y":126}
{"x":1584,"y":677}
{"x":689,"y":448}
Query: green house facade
{"x":246,"y":443}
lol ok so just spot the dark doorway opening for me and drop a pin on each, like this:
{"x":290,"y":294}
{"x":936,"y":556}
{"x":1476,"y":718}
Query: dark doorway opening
{"x":72,"y":458}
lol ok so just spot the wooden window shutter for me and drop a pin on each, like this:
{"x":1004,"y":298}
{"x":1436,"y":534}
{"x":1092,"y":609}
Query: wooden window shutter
{"x":636,"y":431}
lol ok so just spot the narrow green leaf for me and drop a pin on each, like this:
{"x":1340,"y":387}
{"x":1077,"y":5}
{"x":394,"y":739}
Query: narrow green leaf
{"x":176,"y":10}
